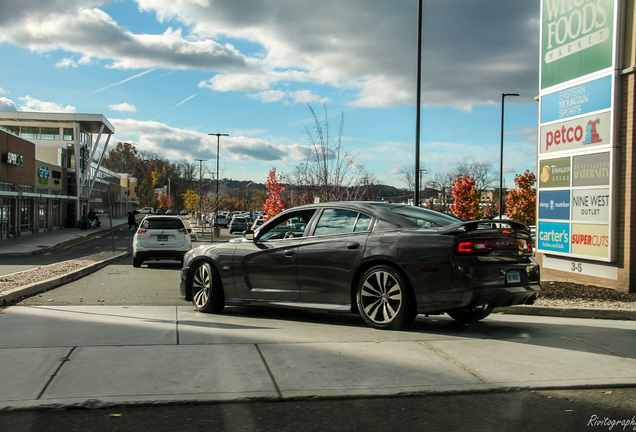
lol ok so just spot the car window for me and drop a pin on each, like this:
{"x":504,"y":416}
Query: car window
{"x":337,"y":221}
{"x":292,"y":225}
{"x":162,"y":224}
{"x":363,"y":223}
{"x":424,"y":217}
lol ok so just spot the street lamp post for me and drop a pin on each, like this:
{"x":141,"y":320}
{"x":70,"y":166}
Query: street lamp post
{"x":503,"y":96}
{"x":421,"y":171}
{"x":416,"y":197}
{"x":200,"y":178}
{"x":217,"y":231}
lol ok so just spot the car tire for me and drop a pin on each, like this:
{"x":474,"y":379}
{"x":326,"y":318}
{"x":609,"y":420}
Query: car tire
{"x":468,"y":315}
{"x":384,"y":299}
{"x":207,"y":292}
{"x":137,"y":261}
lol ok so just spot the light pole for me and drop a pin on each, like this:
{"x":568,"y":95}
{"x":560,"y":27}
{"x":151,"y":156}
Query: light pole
{"x":422,"y":170}
{"x":200,"y":178}
{"x":217,"y":231}
{"x":416,"y":197}
{"x":503,"y":96}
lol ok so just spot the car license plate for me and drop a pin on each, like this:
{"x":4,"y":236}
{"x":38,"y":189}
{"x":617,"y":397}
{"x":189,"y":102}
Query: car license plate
{"x":162,"y":238}
{"x":513,"y":277}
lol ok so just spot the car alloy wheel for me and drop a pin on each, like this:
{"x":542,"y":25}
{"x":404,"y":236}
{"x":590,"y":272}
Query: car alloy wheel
{"x":207,"y":293}
{"x":384,"y":300}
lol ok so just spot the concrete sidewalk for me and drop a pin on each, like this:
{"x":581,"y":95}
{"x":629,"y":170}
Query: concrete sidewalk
{"x":96,"y":356}
{"x":40,"y":242}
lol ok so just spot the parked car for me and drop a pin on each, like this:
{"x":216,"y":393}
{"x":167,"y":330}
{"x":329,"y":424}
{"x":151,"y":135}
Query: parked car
{"x":238,"y":224}
{"x":147,"y":210}
{"x":258,"y":222}
{"x":221,"y":220}
{"x":188,"y":225}
{"x":160,"y":237}
{"x":183,"y":213}
{"x":159,"y":212}
{"x":169,"y":212}
{"x":387,"y":262}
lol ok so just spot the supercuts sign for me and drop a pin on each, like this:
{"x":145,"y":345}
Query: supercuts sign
{"x":13,"y":159}
{"x":585,"y":132}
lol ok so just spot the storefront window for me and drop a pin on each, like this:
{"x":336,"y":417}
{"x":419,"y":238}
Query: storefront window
{"x":30,"y":132}
{"x":68,"y":134}
{"x":55,"y":215}
{"x":13,"y":129}
{"x":41,"y":215}
{"x":6,"y":219}
{"x":26,"y":218}
{"x":50,"y":133}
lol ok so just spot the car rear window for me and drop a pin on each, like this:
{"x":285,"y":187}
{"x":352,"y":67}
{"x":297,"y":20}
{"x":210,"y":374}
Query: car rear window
{"x":424,"y":217}
{"x":162,"y":224}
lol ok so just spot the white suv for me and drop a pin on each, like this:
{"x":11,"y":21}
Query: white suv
{"x":160,"y":237}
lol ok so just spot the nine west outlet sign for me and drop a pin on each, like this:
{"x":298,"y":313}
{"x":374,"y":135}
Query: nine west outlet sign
{"x":576,"y":144}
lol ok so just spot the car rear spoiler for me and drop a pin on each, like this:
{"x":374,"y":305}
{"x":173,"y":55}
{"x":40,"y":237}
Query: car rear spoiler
{"x":487,"y":224}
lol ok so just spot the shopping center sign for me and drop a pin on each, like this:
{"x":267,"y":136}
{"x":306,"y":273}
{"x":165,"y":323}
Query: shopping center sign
{"x":577,"y":39}
{"x":576,"y":144}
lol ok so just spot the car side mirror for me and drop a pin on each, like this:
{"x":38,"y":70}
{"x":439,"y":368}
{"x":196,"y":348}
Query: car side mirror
{"x":248,"y":235}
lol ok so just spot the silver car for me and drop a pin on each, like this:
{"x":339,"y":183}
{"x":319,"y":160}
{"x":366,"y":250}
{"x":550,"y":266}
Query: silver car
{"x":160,"y":237}
{"x":238,"y":223}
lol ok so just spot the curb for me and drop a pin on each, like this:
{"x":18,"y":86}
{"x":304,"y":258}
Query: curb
{"x":38,"y":287}
{"x":590,"y":313}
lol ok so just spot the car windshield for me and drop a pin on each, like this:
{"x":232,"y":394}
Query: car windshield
{"x":424,"y":217}
{"x":162,"y":224}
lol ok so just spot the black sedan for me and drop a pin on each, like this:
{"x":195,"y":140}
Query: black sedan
{"x":387,"y":262}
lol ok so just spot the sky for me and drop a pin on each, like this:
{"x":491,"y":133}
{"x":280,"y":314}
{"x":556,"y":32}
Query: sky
{"x":166,"y":73}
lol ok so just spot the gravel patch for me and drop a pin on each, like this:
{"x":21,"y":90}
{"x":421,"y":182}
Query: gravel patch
{"x":40,"y":274}
{"x":573,"y":295}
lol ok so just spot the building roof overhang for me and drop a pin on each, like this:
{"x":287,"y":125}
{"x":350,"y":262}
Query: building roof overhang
{"x":91,"y":123}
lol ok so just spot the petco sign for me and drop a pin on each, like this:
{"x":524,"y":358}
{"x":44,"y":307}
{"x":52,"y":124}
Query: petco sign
{"x":577,"y":134}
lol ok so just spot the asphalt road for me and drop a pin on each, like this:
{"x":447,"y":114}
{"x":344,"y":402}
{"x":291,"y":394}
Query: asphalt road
{"x":157,"y":284}
{"x":609,"y":409}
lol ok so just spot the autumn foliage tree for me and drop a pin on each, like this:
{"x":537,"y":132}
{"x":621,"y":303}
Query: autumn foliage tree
{"x":273,"y":205}
{"x":521,"y":202}
{"x":465,"y":199}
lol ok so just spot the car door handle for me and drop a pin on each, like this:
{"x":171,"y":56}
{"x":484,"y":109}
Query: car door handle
{"x":289,"y":252}
{"x":353,"y":245}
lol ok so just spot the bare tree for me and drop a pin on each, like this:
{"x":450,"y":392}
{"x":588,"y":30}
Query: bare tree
{"x":329,"y":171}
{"x":408,"y":175}
{"x":480,"y":171}
{"x":442,"y":182}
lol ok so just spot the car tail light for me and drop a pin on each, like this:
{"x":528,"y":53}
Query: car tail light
{"x":183,"y":231}
{"x":141,"y":230}
{"x":483,"y":246}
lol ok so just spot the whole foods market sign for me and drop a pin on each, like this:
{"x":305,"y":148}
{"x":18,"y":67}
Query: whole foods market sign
{"x":577,"y":38}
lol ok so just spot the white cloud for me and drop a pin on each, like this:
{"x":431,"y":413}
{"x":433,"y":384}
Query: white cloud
{"x":7,"y":104}
{"x":66,"y":63}
{"x":469,"y":58}
{"x":178,"y":143}
{"x":123,"y":107}
{"x":32,"y":104}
